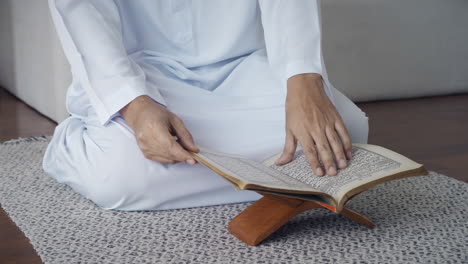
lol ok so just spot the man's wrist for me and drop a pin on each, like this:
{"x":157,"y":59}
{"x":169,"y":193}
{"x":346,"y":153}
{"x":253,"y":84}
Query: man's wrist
{"x":131,"y":110}
{"x":309,"y":81}
{"x":306,"y":77}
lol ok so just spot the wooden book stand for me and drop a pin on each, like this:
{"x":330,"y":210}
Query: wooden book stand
{"x":271,"y":212}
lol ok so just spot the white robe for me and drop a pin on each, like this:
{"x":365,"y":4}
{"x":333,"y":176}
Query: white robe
{"x":204,"y":60}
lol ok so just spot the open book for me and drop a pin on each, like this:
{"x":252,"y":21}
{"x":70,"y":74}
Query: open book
{"x":370,"y":165}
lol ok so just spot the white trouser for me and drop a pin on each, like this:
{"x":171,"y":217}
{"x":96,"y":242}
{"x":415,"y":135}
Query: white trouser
{"x":104,"y":163}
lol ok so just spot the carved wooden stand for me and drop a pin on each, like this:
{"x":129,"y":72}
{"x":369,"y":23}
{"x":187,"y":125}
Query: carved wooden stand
{"x":271,"y":212}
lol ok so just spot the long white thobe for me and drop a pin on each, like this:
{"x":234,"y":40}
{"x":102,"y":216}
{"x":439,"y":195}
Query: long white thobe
{"x":220,"y":65}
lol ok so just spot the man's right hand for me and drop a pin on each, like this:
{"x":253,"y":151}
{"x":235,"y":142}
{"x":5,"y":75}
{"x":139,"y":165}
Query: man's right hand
{"x":155,"y":128}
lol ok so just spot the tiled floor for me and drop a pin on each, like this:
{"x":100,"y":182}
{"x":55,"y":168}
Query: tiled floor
{"x":432,"y":131}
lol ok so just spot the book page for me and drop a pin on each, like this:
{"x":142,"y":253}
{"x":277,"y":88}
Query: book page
{"x":369,"y":162}
{"x":250,"y":171}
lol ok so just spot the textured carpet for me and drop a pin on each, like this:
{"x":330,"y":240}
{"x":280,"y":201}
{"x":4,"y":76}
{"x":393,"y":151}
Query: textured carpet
{"x":418,"y":220}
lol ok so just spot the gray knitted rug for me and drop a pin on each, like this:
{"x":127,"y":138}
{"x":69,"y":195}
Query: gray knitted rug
{"x":418,"y":220}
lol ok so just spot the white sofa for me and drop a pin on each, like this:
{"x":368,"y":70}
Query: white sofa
{"x":32,"y":64}
{"x":373,"y":49}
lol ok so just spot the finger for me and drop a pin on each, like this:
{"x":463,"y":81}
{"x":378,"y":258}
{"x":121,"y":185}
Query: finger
{"x":289,"y":149}
{"x":311,"y":154}
{"x":172,"y":150}
{"x":184,"y":135}
{"x":169,"y":161}
{"x":162,"y":160}
{"x":345,"y":139}
{"x":337,"y":147}
{"x":178,"y":153}
{"x":325,"y":153}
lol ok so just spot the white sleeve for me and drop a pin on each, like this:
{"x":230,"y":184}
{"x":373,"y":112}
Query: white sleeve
{"x":292,"y":36}
{"x":91,"y":36}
